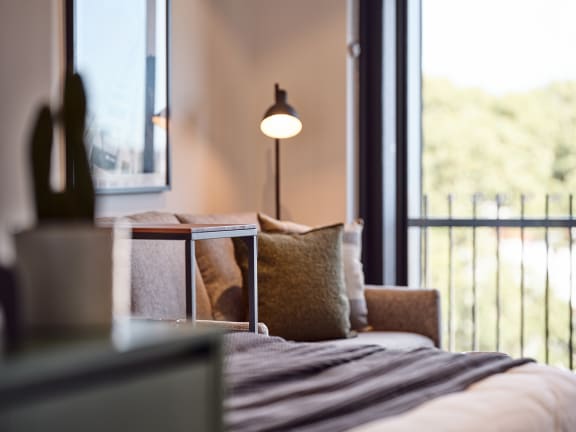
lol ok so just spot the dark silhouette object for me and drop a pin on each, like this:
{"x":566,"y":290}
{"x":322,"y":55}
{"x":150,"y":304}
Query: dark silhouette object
{"x":76,"y":202}
{"x":8,"y":305}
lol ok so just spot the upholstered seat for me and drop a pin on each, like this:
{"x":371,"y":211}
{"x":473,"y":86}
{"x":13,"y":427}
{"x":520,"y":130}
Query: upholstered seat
{"x":397,"y":317}
{"x":389,"y":339}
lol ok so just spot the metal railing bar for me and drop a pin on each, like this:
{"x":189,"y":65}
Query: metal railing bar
{"x":420,"y":249}
{"x":522,"y":270}
{"x":495,"y":226}
{"x":498,"y":204}
{"x":421,"y":241}
{"x":571,"y":293}
{"x":451,"y":329}
{"x":547,"y":288}
{"x":425,"y":214}
{"x":482,"y":222}
{"x":474,"y":278}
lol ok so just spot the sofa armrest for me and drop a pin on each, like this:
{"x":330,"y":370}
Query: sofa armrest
{"x":404,"y":309}
{"x":231,"y":326}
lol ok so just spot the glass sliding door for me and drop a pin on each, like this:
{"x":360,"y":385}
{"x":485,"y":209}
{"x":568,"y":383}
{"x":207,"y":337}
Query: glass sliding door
{"x":491,"y":208}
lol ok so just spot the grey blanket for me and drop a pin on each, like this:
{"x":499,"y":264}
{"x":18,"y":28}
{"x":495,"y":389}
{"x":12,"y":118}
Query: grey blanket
{"x":275,"y":385}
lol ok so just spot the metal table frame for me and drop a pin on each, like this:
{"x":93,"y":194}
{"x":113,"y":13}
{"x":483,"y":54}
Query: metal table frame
{"x":190,"y":233}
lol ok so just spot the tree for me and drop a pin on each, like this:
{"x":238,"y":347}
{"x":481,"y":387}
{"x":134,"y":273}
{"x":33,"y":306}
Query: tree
{"x":511,"y":144}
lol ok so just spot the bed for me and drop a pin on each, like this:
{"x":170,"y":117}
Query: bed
{"x":275,"y":385}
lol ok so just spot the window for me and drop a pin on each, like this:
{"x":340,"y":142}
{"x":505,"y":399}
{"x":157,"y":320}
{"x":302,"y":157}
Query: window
{"x":468,"y":168}
{"x":498,"y":167}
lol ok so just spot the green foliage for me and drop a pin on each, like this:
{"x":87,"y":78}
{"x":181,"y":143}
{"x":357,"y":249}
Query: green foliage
{"x":76,"y":202}
{"x":511,"y":144}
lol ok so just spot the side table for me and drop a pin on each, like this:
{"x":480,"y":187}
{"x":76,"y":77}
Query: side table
{"x":190,"y":233}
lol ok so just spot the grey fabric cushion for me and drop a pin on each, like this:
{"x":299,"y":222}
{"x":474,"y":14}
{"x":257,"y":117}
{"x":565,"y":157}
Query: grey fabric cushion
{"x":351,"y":259}
{"x":158,"y":274}
{"x":220,"y":272}
{"x":301,"y":293}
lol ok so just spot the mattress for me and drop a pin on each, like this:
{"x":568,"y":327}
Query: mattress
{"x":275,"y":385}
{"x":527,"y":398}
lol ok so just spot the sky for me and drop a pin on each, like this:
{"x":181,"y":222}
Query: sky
{"x":111,"y":56}
{"x":499,"y":45}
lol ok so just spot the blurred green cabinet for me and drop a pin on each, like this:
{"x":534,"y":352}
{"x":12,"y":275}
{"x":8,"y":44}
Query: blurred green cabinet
{"x":156,"y":378}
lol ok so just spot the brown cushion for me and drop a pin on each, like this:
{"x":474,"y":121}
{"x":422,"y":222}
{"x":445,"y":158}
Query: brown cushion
{"x":271,"y":225}
{"x":351,"y":256}
{"x":220,"y":272}
{"x":301,"y":293}
{"x":158,"y":275}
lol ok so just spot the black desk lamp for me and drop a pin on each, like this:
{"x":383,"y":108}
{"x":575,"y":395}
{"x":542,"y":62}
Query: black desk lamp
{"x":280,"y":121}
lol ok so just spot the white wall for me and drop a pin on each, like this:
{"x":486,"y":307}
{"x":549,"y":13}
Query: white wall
{"x":226,"y":56}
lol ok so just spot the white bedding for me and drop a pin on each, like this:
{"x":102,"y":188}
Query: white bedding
{"x":528,"y":398}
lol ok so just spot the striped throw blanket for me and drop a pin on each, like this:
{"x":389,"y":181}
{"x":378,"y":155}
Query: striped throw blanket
{"x":275,"y":385}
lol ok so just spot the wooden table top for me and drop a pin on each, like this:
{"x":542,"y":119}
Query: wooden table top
{"x":188,"y":228}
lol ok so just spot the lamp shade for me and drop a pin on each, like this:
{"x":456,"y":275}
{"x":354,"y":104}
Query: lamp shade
{"x":280,"y":120}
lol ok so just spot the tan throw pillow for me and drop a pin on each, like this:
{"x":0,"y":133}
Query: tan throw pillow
{"x":271,"y":225}
{"x":217,"y":264}
{"x":351,"y":256}
{"x":301,"y":294}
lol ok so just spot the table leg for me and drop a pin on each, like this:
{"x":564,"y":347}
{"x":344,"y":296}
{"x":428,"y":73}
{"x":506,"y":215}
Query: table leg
{"x":252,"y":243}
{"x":190,"y":280}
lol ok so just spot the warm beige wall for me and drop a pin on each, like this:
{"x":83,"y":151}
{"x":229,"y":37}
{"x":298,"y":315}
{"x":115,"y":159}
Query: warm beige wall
{"x":226,"y":56}
{"x":28,"y":76}
{"x":302,"y":45}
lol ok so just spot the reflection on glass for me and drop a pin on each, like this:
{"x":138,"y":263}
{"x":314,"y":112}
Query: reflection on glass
{"x":120,"y":50}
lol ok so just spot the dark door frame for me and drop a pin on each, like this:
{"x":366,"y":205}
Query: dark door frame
{"x":384,"y":206}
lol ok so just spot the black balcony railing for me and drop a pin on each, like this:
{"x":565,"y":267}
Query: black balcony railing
{"x":456,"y":237}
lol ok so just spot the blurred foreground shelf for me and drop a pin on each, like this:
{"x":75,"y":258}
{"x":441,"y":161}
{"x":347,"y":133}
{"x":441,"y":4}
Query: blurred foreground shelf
{"x":145,"y":376}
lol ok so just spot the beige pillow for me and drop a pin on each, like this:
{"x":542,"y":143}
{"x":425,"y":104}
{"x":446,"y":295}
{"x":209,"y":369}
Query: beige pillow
{"x":351,"y":256}
{"x":217,"y":264}
{"x":301,"y":293}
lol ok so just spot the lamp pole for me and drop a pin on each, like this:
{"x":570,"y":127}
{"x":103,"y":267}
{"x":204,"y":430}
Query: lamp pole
{"x":277,"y":155}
